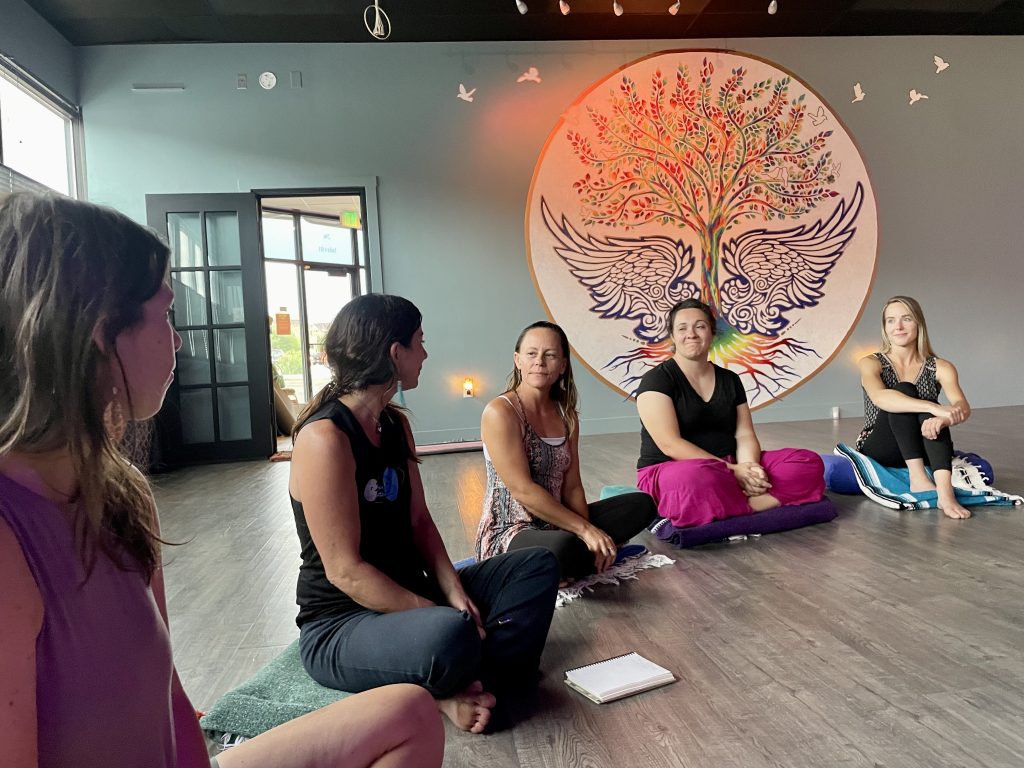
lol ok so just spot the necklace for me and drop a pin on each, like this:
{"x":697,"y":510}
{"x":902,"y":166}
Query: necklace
{"x":375,"y":419}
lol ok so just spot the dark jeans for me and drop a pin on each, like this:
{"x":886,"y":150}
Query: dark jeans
{"x":621,"y":517}
{"x":439,"y":648}
{"x":897,"y":437}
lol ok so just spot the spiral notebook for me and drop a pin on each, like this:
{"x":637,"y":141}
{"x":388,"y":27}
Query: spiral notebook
{"x":617,"y":677}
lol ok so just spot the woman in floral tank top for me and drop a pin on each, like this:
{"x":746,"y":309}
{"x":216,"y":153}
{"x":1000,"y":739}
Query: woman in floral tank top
{"x":534,"y":491}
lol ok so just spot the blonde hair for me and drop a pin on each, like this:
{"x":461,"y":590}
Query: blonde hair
{"x":924,"y":346}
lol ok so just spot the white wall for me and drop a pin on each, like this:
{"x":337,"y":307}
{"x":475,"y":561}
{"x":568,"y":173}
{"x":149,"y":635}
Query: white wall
{"x":454,"y":178}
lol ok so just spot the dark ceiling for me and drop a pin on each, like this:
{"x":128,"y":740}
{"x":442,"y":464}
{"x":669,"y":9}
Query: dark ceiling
{"x":98,"y":22}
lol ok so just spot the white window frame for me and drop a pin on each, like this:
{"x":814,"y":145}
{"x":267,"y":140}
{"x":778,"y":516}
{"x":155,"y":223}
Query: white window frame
{"x":10,"y":179}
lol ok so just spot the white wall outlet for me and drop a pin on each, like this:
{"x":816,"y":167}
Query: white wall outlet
{"x":296,"y":79}
{"x":835,"y":411}
{"x":243,"y":81}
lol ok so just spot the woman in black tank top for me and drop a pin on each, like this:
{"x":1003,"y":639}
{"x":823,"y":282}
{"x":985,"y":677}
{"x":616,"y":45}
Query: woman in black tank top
{"x":379,"y":599}
{"x":905,"y":424}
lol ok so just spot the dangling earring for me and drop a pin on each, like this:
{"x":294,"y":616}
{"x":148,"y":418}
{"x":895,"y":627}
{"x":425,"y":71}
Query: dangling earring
{"x":400,"y":394}
{"x":561,"y":383}
{"x":113,"y":416}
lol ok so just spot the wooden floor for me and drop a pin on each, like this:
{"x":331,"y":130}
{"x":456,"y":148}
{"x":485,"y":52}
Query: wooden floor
{"x":883,"y":639}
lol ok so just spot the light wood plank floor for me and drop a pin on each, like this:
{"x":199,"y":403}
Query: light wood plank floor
{"x":883,"y":639}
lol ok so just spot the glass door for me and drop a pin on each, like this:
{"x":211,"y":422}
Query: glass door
{"x":315,"y":261}
{"x":220,"y":403}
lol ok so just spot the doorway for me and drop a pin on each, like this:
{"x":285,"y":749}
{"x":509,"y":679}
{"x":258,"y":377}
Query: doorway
{"x":315,"y":260}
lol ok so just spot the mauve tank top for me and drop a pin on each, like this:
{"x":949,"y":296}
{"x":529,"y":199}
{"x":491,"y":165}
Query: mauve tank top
{"x":103,"y":655}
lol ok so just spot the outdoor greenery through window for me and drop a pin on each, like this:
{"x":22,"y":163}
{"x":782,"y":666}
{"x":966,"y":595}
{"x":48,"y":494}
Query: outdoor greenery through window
{"x":36,"y":135}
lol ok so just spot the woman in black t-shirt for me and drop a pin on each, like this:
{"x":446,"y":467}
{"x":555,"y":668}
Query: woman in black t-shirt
{"x":699,"y":456}
{"x":379,"y":599}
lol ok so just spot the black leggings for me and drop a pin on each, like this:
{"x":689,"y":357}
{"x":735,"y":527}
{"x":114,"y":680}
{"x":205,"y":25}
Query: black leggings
{"x":621,"y":517}
{"x":896,"y":438}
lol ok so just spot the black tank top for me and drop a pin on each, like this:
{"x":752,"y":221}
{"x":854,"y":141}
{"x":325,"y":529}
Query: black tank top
{"x":386,"y":539}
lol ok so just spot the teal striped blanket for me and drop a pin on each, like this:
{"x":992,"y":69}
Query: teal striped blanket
{"x":890,"y":486}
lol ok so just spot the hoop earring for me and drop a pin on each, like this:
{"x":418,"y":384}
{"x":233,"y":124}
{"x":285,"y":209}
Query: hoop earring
{"x":113,"y":416}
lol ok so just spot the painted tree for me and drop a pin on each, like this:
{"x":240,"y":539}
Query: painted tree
{"x":702,"y":159}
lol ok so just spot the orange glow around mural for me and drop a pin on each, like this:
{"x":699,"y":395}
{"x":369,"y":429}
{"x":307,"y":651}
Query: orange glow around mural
{"x":706,"y":174}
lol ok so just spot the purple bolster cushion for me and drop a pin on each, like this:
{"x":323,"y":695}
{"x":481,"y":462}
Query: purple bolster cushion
{"x":769,"y":521}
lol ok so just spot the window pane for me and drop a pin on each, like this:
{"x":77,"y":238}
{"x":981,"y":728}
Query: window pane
{"x":278,"y":236}
{"x":194,"y":358}
{"x":361,"y":247}
{"x":35,"y":138}
{"x":222,"y":242}
{"x":326,"y":242}
{"x":233,"y":413}
{"x":227,"y":296}
{"x":326,"y":293}
{"x":283,"y":311}
{"x":197,"y":416}
{"x":186,"y":239}
{"x":189,"y":298}
{"x":231,"y":359}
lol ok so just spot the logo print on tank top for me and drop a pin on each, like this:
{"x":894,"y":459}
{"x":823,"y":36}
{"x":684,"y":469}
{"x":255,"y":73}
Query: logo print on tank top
{"x":385,"y":488}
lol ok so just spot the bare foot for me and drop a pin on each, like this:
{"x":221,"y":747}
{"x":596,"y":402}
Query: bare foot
{"x":469,"y":710}
{"x":952,"y":508}
{"x":763,"y":501}
{"x":566,"y":583}
{"x":924,"y":484}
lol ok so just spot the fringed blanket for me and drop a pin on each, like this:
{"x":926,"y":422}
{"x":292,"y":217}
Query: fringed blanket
{"x":625,"y":569}
{"x":890,"y":486}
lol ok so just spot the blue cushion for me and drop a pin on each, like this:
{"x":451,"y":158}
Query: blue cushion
{"x":769,"y":521}
{"x":839,"y":476}
{"x":617,"y":490}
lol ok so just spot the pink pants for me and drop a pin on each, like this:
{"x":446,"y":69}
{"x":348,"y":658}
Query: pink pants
{"x":697,"y":491}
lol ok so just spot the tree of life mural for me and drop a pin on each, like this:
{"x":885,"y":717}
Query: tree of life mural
{"x":710,"y":175}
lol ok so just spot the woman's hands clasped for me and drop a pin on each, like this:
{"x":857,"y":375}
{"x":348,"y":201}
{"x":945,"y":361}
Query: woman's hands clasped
{"x":751,"y":477}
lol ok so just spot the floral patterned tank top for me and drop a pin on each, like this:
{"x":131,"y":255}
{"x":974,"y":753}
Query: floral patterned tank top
{"x":503,"y":517}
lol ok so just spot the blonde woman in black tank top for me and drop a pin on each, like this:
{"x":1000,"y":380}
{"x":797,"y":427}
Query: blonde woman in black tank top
{"x":905,"y":424}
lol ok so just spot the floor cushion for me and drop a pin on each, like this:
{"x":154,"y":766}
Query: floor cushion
{"x":279,"y":692}
{"x":841,"y":478}
{"x":770,"y":521}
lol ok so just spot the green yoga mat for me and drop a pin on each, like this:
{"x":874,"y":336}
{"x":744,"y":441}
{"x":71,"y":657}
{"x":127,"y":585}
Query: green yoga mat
{"x":279,"y":692}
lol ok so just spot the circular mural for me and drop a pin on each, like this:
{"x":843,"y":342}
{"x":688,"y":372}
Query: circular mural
{"x":706,"y":174}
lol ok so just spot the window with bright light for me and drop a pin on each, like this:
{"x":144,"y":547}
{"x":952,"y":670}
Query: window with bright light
{"x":35,"y":137}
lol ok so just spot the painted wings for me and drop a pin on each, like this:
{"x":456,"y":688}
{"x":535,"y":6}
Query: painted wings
{"x":628,"y":278}
{"x":767,"y":274}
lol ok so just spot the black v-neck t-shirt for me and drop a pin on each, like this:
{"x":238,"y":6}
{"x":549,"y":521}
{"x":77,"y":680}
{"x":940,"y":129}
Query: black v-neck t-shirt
{"x":709,"y":425}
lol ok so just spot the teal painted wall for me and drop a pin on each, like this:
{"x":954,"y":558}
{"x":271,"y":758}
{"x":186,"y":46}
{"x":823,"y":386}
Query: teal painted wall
{"x":38,"y":47}
{"x":453,"y":179}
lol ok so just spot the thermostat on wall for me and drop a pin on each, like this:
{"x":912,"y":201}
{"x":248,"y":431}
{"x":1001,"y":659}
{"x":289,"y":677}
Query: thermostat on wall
{"x":267,"y":80}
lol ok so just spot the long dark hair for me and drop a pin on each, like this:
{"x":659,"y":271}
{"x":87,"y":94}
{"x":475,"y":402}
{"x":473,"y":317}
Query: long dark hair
{"x":65,"y":268}
{"x":564,"y":391}
{"x":358,"y":346}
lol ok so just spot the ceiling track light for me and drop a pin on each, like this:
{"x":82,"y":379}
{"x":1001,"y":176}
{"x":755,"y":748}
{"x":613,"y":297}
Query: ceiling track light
{"x":617,"y":7}
{"x":674,"y":8}
{"x":563,"y":6}
{"x":773,"y":7}
{"x":521,"y":7}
